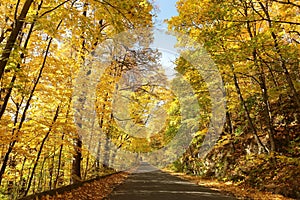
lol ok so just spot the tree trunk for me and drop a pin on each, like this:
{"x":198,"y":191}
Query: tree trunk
{"x":262,"y":84}
{"x":282,"y":60}
{"x":76,"y":165}
{"x":51,"y":170}
{"x":23,"y":117}
{"x":261,"y":147}
{"x":11,"y":145}
{"x":22,"y":55}
{"x":13,"y":36}
{"x":61,"y":147}
{"x":269,"y":116}
{"x":41,"y":149}
{"x":59,"y":162}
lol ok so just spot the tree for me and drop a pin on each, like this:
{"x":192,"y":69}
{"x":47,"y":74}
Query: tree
{"x":41,"y":43}
{"x":242,"y":38}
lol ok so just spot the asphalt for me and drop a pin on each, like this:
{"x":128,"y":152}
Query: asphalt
{"x":148,"y":182}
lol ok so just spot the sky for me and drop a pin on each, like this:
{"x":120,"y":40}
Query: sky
{"x":164,"y":42}
{"x":167,"y":9}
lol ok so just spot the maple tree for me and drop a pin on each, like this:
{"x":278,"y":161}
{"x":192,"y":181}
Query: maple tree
{"x":46,"y":47}
{"x":255,"y":44}
{"x":43,"y":45}
{"x":132,"y":102}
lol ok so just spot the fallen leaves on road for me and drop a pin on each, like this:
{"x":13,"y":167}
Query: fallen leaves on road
{"x":241,"y":192}
{"x":95,"y":190}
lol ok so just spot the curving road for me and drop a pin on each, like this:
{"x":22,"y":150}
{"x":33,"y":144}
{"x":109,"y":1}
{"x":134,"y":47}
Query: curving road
{"x":156,"y":185}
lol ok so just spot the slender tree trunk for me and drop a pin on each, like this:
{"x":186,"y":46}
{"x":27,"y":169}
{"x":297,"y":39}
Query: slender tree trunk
{"x":89,"y":146}
{"x":61,"y":147}
{"x":40,"y":183}
{"x":51,"y":171}
{"x":86,"y":166}
{"x":282,"y":60}
{"x":229,"y":122}
{"x":97,"y":161}
{"x":261,"y":147}
{"x":262,"y":84}
{"x":22,"y":55}
{"x":99,"y":141}
{"x":59,"y":162}
{"x":22,"y":180}
{"x":107,"y":150}
{"x":13,"y":36}
{"x":41,"y":149}
{"x":230,"y":128}
{"x":12,"y":144}
{"x":76,"y":165}
{"x":269,"y":116}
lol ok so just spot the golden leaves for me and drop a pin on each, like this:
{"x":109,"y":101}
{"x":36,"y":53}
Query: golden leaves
{"x":96,"y":190}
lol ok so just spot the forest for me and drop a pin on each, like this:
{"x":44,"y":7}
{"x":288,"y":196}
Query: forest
{"x":61,"y":123}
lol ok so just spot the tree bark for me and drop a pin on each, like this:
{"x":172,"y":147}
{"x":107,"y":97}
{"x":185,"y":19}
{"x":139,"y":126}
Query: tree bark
{"x":13,"y":37}
{"x":262,"y":84}
{"x":23,"y":117}
{"x":41,"y":149}
{"x":261,"y":146}
{"x":76,"y":165}
{"x":22,"y":55}
{"x":282,"y":60}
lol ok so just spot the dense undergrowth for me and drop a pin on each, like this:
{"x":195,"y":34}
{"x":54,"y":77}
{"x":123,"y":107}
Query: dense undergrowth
{"x":277,"y":172}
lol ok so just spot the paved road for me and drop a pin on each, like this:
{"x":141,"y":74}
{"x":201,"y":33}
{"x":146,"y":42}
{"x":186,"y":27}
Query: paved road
{"x":158,"y":185}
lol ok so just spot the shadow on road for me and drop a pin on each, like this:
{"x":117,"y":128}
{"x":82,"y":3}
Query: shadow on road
{"x":148,"y":182}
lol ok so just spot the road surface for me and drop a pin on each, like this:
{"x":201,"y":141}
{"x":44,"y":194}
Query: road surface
{"x":149,"y":183}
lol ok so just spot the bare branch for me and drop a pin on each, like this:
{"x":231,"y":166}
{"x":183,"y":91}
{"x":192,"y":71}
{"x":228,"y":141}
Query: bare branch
{"x":287,"y":3}
{"x":56,"y":7}
{"x":116,"y":8}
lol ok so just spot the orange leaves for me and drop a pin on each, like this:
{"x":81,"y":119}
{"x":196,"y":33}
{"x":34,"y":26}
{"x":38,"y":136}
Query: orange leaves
{"x":96,"y":190}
